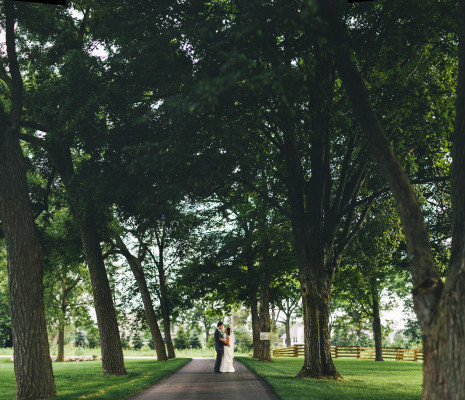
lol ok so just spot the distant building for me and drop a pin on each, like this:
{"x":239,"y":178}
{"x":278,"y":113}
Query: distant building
{"x":297,"y":335}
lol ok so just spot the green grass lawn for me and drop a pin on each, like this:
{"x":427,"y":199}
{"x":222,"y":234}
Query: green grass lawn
{"x":144,"y":352}
{"x":363,"y":379}
{"x":82,"y":380}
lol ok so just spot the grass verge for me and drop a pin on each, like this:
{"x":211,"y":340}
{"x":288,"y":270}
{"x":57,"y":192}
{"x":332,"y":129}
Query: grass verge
{"x":144,"y":352}
{"x":84,"y":380}
{"x":363,"y":379}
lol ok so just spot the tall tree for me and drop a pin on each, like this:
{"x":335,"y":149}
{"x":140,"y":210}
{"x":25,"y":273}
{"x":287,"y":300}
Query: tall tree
{"x":136,"y":265}
{"x":33,"y":368}
{"x":439,"y":305}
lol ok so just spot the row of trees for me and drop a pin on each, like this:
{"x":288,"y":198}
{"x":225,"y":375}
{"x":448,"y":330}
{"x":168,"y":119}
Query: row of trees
{"x":228,"y":150}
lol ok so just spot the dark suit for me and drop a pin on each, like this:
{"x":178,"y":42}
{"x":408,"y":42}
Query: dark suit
{"x":219,"y":347}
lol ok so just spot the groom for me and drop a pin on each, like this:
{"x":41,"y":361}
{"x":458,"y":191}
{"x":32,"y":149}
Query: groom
{"x":219,"y":347}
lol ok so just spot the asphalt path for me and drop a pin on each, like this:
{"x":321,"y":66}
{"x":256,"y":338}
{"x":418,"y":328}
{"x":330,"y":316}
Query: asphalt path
{"x":196,"y":380}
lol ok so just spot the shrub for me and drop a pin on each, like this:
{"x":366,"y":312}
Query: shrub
{"x":194,"y":341}
{"x":181,"y":341}
{"x":137,"y":342}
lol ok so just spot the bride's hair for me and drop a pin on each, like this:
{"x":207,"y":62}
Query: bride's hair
{"x":228,"y":331}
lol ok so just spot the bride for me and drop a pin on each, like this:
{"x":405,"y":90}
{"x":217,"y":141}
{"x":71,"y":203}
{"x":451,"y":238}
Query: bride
{"x":227,"y":361}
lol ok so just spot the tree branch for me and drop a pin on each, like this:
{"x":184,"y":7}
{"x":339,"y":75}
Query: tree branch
{"x":17,"y":80}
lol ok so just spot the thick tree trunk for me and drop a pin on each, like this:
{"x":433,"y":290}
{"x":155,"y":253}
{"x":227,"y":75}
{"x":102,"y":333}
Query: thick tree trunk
{"x":377,"y":333}
{"x":316,"y":296}
{"x":255,"y":323}
{"x":33,"y":368}
{"x":444,"y":344}
{"x":444,"y":337}
{"x":32,"y":364}
{"x":440,"y":308}
{"x":110,"y":341}
{"x":265,"y":323}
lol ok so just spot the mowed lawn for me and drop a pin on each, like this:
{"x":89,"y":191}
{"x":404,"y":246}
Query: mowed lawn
{"x":82,"y":380}
{"x":363,"y":379}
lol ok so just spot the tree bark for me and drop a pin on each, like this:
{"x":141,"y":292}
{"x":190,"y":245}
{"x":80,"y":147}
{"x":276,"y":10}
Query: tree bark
{"x":32,"y":364}
{"x":61,"y":324}
{"x":110,"y":341}
{"x":440,"y":308}
{"x":255,"y":322}
{"x":61,"y":343}
{"x":377,"y":333}
{"x":316,"y":294}
{"x":265,"y":323}
{"x":444,"y":337}
{"x":287,"y":324}
{"x":165,"y":309}
{"x":33,"y":368}
{"x":138,"y":272}
{"x":151,"y":318}
{"x":274,"y":327}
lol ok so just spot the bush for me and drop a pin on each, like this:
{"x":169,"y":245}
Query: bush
{"x":137,"y":342}
{"x":80,"y":340}
{"x":93,"y":340}
{"x":125,"y":343}
{"x":211,"y":342}
{"x":194,"y":341}
{"x":181,"y":341}
{"x":244,"y":341}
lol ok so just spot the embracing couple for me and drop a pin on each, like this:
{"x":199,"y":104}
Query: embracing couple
{"x":224,"y":350}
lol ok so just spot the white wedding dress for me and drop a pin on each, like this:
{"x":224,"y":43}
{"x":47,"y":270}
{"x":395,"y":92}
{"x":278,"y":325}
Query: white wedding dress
{"x":228,"y":356}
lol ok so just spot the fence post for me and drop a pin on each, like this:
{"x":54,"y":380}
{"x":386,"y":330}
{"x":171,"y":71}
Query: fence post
{"x":296,"y":351}
{"x":415,"y":355}
{"x":336,"y":351}
{"x":400,"y":354}
{"x":358,"y":351}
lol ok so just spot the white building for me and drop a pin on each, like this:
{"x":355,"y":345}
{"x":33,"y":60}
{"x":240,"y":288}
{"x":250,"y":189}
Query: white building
{"x":297,"y":335}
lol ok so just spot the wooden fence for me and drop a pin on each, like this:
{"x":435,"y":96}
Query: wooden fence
{"x":367,"y":353}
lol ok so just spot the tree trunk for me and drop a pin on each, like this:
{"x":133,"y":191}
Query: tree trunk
{"x":32,"y":364}
{"x":207,"y":335}
{"x":439,"y":307}
{"x":33,"y":368}
{"x":61,"y":343}
{"x":444,"y":337}
{"x":136,"y":267}
{"x":288,"y":330}
{"x":165,"y":309}
{"x":110,"y":341}
{"x":274,"y":327}
{"x":377,"y":334}
{"x":444,"y":345}
{"x":61,"y":324}
{"x":148,"y":307}
{"x":265,"y":345}
{"x":316,"y":296}
{"x":255,"y":323}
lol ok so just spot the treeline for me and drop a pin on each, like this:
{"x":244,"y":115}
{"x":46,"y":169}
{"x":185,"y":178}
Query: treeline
{"x":233,"y":153}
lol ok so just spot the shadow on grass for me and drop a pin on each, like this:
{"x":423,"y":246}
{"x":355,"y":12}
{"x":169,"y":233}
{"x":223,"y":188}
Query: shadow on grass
{"x":363,"y":379}
{"x":82,"y":380}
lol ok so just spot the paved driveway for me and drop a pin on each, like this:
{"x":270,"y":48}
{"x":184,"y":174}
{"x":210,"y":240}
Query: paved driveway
{"x":196,"y":380}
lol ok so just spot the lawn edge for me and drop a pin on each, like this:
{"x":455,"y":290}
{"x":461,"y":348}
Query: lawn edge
{"x":166,"y":376}
{"x":257,"y":375}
